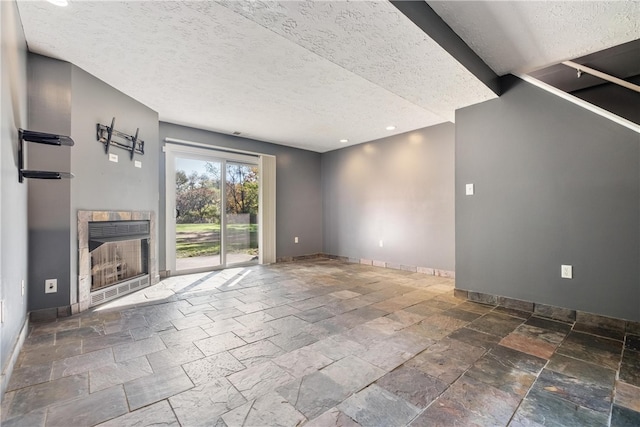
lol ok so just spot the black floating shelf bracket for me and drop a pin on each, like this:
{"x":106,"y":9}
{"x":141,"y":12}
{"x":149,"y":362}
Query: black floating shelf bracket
{"x":40,"y":138}
{"x":110,"y":137}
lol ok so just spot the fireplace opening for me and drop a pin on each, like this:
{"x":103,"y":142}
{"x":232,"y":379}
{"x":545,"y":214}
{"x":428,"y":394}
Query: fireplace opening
{"x":119,"y":252}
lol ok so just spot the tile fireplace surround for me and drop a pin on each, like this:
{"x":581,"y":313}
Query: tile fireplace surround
{"x":84,"y":258}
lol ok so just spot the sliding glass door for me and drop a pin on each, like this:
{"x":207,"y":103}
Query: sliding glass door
{"x":198,"y":201}
{"x":212,"y":209}
{"x":241,"y":225}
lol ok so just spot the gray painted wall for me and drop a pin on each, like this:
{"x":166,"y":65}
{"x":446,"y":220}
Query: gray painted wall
{"x":13,"y":204}
{"x":100,"y":184}
{"x":398,"y":189}
{"x":298,"y":190}
{"x":555,"y":184}
{"x":65,"y":99}
{"x":49,"y":200}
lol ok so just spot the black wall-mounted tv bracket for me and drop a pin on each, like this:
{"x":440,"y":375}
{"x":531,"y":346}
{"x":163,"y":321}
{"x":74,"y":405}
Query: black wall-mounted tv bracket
{"x":108,"y":136}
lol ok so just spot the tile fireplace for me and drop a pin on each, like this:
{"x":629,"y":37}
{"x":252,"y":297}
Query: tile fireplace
{"x":116,"y":255}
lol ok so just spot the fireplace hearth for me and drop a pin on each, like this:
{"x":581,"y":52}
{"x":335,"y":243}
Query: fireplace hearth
{"x":116,"y":255}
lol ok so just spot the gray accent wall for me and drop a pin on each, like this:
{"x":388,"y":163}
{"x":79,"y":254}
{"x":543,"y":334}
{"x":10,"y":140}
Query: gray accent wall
{"x":49,"y":200}
{"x":100,"y":184}
{"x":399,"y":190}
{"x":298,"y":189}
{"x":554,"y":184}
{"x":65,"y":99}
{"x":13,"y":204}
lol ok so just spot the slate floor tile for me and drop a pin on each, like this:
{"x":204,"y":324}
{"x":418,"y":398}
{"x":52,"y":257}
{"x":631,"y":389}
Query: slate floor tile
{"x":98,"y":343}
{"x":630,"y":367}
{"x":174,"y":356}
{"x":632,"y":342}
{"x":35,"y":418}
{"x":474,"y":402}
{"x":496,"y":324}
{"x":533,"y":340}
{"x":547,"y":409}
{"x":302,"y":361}
{"x":153,"y":388}
{"x":375,"y":406}
{"x":413,"y":385}
{"x":267,"y":410}
{"x":118,"y":373}
{"x":212,"y":367}
{"x":617,"y":335}
{"x":184,"y":336}
{"x":256,"y":353}
{"x":475,"y":338}
{"x":219,"y":343}
{"x":81,"y":363}
{"x":627,"y":396}
{"x":446,"y":360}
{"x":158,"y":414}
{"x":260,"y":379}
{"x":353,"y":373}
{"x":590,"y":348}
{"x":587,"y":372}
{"x":624,"y":417}
{"x":135,"y":349}
{"x":314,"y":394}
{"x":44,"y":355}
{"x":494,"y":372}
{"x":311,"y":345}
{"x":89,"y":410}
{"x":41,"y":395}
{"x":203,"y":404}
{"x":332,"y":418}
{"x":336,"y":347}
{"x":315,"y":314}
{"x":579,"y":392}
{"x":290,"y":341}
{"x":548,"y":324}
{"x":29,"y":375}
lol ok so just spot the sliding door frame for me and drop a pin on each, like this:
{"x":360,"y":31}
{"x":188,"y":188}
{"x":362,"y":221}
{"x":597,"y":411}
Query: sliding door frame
{"x":266,"y":204}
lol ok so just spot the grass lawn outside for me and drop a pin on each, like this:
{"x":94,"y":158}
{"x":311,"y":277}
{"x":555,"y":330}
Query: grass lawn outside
{"x":195,"y":240}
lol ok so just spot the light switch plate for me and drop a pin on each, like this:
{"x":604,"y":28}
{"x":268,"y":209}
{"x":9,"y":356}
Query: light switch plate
{"x":113,"y":158}
{"x":469,"y":190}
{"x":137,"y":163}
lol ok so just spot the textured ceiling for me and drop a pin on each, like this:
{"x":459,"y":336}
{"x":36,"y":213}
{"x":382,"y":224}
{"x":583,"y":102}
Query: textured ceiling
{"x":296,"y":73}
{"x":522,"y":36}
{"x":307,"y":74}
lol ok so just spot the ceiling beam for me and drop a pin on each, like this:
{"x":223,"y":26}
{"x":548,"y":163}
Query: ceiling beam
{"x":421,"y":14}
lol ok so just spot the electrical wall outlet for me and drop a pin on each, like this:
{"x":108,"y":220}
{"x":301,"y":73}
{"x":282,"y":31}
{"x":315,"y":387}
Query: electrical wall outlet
{"x":22,"y":287}
{"x":51,"y":286}
{"x":113,"y":158}
{"x":381,"y":243}
{"x":566,"y":272}
{"x":295,"y":239}
{"x":137,"y":163}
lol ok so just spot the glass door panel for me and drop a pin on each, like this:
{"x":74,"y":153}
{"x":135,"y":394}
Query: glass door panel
{"x":241,"y":213}
{"x":198,"y":239}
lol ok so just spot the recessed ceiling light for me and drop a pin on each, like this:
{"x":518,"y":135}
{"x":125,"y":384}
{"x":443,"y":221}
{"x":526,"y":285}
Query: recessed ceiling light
{"x":61,"y":3}
{"x":391,"y":127}
{"x":344,"y":141}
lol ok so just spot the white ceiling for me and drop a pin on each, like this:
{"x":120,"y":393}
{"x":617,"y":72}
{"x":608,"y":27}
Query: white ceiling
{"x":307,"y":74}
{"x":522,"y":36}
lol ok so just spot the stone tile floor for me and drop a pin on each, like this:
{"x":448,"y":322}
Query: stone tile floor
{"x":320,"y":343}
